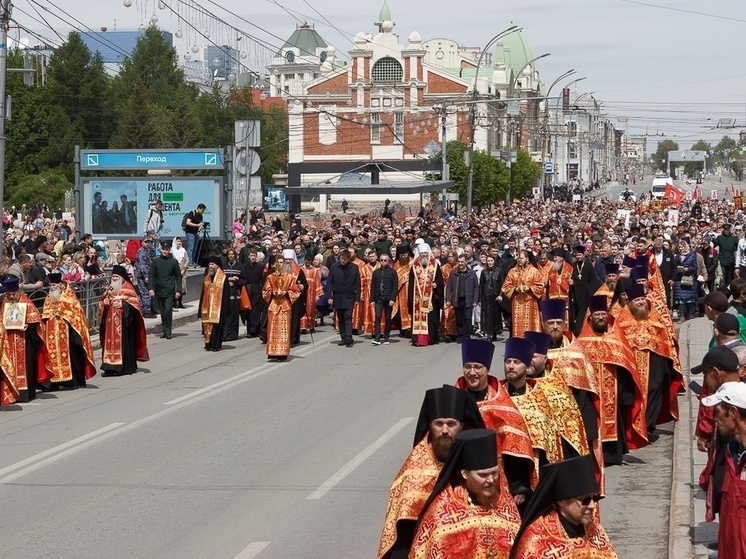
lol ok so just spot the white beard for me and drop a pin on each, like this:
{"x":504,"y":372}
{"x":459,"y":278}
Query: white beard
{"x":558,"y":266}
{"x":116,"y":286}
{"x":54,"y":295}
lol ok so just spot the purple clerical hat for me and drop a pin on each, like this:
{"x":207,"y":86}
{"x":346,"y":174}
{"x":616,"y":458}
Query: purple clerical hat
{"x":598,"y":303}
{"x":477,"y":351}
{"x":635,"y":291}
{"x":518,"y":348}
{"x":539,"y":339}
{"x":553,"y":309}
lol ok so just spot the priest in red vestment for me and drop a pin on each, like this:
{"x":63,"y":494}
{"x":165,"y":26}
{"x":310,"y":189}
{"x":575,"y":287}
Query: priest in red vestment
{"x":524,"y":287}
{"x":425,"y":297}
{"x":445,"y":412}
{"x":559,"y":521}
{"x":124,"y":340}
{"x":71,"y":361}
{"x":214,"y":301}
{"x":470,"y":512}
{"x":280,"y":291}
{"x":24,"y":341}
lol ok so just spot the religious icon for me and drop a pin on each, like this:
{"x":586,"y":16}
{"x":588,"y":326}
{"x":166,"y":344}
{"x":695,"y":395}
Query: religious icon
{"x":14,"y":317}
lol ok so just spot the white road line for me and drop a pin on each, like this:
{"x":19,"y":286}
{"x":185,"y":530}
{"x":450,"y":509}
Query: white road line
{"x":252,"y":550}
{"x":43,"y":457}
{"x":348,"y":468}
{"x":69,"y":448}
{"x":248,"y":375}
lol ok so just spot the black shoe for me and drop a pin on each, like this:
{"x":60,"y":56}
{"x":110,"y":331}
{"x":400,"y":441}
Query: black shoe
{"x":163,"y":335}
{"x":340,"y":344}
{"x":350,"y":343}
{"x":150,"y":315}
{"x":168,"y":336}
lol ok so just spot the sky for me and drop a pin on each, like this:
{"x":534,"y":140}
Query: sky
{"x":666,"y":69}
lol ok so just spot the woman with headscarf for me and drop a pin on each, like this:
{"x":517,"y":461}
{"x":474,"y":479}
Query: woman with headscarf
{"x":685,"y":282}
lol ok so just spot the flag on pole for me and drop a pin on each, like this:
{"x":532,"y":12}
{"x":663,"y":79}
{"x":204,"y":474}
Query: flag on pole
{"x":673,"y":195}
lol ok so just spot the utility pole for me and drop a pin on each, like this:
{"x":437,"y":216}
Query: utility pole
{"x":5,"y":7}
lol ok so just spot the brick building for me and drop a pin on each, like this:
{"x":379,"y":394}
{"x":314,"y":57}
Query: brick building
{"x":386,"y":104}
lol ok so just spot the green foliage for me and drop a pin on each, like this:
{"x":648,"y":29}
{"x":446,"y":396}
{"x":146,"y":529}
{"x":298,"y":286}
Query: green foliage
{"x":693,"y":169}
{"x":148,"y":105}
{"x":524,"y":175}
{"x":47,"y":188}
{"x":660,"y":157}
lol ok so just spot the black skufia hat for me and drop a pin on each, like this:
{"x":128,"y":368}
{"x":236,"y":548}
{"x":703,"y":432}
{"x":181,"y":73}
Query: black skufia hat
{"x":574,"y":477}
{"x":447,"y":401}
{"x":475,"y":449}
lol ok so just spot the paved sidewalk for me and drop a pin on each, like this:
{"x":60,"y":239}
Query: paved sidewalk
{"x":689,"y":532}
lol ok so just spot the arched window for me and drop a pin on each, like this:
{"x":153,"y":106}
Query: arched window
{"x":387,"y":70}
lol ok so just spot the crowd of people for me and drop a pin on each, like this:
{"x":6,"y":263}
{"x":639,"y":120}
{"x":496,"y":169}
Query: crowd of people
{"x":585,"y":292}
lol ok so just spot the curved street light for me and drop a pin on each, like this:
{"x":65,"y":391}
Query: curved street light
{"x":509,"y":159}
{"x":546,"y":137}
{"x":473,"y":111}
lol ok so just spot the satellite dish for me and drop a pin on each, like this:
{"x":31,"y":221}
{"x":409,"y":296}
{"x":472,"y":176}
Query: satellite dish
{"x":24,"y":42}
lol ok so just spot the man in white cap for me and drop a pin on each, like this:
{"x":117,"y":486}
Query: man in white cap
{"x":730,"y":403}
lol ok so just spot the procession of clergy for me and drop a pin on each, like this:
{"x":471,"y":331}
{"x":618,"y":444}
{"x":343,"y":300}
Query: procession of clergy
{"x":514,"y":468}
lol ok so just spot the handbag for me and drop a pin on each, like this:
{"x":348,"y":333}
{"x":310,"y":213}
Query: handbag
{"x":687,"y":280}
{"x":245,"y":303}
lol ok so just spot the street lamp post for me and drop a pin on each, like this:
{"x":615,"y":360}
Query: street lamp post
{"x":565,"y":157}
{"x":473,"y":113}
{"x":509,"y":162}
{"x":547,"y":140}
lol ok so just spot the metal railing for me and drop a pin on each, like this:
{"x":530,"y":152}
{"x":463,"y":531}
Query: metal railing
{"x":89,"y":293}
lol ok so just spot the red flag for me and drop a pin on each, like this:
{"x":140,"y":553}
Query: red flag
{"x":673,"y":195}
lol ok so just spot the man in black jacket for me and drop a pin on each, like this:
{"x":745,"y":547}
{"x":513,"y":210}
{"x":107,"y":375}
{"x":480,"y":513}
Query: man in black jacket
{"x":164,"y":283}
{"x":667,"y":266}
{"x":384,"y":287}
{"x":343,"y":291}
{"x":252,"y":278}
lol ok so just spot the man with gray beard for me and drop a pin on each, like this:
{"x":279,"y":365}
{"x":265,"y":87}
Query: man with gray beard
{"x":123,"y":337}
{"x":70,"y":358}
{"x":213,"y":306}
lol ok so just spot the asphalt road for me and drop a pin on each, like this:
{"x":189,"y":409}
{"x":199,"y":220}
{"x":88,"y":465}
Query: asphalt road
{"x":222,"y":455}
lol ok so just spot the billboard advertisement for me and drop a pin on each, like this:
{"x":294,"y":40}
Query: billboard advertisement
{"x":275,"y":198}
{"x":118,"y":207}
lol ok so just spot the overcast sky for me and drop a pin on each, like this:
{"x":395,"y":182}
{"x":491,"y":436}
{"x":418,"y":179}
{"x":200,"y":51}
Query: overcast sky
{"x":658,"y":66}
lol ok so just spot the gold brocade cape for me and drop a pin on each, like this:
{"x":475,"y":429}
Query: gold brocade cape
{"x":279,"y":311}
{"x":524,"y":304}
{"x":539,"y":418}
{"x":409,"y":491}
{"x":571,"y":362}
{"x":401,"y":305}
{"x":315,"y":290}
{"x":605,"y":353}
{"x":546,"y":539}
{"x":9,"y":392}
{"x":422,"y":295}
{"x":454,"y":528}
{"x":651,"y":336}
{"x":15,"y":348}
{"x":113,"y":327}
{"x":500,"y":413}
{"x":448,"y":318}
{"x":56,"y":316}
{"x":362,"y":319}
{"x":212,"y":299}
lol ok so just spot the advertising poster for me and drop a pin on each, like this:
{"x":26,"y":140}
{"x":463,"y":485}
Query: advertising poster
{"x":275,"y":199}
{"x":118,"y":208}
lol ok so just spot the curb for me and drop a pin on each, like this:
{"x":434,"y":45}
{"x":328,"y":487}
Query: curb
{"x":681,"y":512}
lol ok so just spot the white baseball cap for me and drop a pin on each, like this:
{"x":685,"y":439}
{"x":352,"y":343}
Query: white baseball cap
{"x":733,"y":393}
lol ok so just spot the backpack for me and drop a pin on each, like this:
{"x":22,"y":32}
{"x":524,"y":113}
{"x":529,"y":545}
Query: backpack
{"x":184,"y":221}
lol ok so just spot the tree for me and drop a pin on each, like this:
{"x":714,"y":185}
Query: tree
{"x":47,"y":188}
{"x":660,"y":157}
{"x":524,"y":175}
{"x":693,"y":168}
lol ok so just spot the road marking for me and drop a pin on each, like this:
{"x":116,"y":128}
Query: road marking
{"x":250,"y":374}
{"x":348,"y":468}
{"x":69,"y":448}
{"x":252,"y":550}
{"x":43,"y":458}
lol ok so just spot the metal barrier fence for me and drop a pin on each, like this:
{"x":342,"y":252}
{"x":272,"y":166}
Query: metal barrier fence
{"x":89,"y":293}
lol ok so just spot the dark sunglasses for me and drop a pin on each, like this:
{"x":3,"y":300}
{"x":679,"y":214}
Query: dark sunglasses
{"x":587,"y":501}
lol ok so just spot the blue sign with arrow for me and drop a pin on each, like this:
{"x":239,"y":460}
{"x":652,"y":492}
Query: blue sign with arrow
{"x":131,"y":159}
